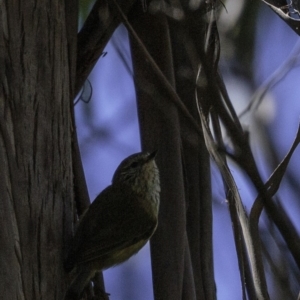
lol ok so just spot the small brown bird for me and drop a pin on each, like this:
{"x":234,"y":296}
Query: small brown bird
{"x":118,"y":223}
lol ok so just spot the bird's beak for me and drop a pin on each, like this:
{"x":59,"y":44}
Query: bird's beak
{"x":152,"y":155}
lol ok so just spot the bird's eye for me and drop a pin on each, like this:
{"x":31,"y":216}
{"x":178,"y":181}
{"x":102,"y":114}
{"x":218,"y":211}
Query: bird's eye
{"x":134,"y":164}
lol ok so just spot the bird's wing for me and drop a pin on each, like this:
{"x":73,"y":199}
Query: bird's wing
{"x":115,"y":220}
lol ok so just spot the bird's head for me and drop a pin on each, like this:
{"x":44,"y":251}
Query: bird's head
{"x":139,"y":171}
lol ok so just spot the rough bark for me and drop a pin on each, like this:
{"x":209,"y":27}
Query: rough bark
{"x":36,"y":39}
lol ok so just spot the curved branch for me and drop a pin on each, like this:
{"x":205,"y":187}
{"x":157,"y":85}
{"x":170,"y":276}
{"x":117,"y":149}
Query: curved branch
{"x":94,"y":35}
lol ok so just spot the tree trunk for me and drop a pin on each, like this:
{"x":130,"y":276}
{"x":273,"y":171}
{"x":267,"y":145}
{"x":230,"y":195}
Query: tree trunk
{"x":181,"y":248}
{"x":36,"y":185}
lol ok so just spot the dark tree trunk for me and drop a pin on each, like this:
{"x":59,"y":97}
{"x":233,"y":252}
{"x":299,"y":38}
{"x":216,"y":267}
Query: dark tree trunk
{"x":37,"y":57}
{"x":181,"y":249}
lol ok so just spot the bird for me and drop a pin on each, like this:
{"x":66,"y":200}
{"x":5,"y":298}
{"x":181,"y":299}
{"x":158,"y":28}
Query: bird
{"x":118,"y":223}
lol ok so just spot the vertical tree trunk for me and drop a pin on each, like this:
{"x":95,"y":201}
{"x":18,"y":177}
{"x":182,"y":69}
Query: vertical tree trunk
{"x":181,"y":249}
{"x":159,"y":124}
{"x":36,"y":180}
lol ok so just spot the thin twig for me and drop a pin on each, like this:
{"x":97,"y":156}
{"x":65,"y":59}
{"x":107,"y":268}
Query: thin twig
{"x":291,"y":62}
